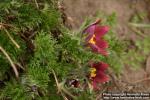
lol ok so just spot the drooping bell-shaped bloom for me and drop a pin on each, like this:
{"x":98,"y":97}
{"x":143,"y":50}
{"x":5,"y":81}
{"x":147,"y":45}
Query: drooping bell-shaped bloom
{"x":94,"y":38}
{"x":75,"y":83}
{"x":97,"y":74}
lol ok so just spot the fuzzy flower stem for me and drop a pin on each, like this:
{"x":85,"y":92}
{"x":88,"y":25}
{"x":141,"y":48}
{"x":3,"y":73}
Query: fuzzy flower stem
{"x":36,"y":4}
{"x":13,"y":41}
{"x":2,"y":25}
{"x":140,"y":25}
{"x":11,"y":62}
{"x":138,"y":32}
{"x":139,"y":81}
{"x":60,"y":88}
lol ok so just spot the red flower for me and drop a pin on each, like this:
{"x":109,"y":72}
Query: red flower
{"x":94,"y":37}
{"x":97,"y":74}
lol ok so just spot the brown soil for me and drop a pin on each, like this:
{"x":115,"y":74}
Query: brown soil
{"x":78,"y":10}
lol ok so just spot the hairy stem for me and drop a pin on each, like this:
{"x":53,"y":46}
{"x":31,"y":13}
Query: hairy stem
{"x":10,"y":61}
{"x":13,"y":41}
{"x":36,"y":4}
{"x":60,"y":88}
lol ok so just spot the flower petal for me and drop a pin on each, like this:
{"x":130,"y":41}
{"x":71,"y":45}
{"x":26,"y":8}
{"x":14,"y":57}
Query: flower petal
{"x":102,"y":44}
{"x":95,"y":86}
{"x":102,"y":51}
{"x":100,"y":31}
{"x":90,"y":32}
{"x":94,"y":47}
{"x":100,"y":66}
{"x":101,"y":77}
{"x":89,"y":29}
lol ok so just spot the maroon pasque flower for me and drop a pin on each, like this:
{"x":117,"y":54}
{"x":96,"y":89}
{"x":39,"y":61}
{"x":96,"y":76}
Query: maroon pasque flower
{"x":97,"y":74}
{"x":94,"y":37}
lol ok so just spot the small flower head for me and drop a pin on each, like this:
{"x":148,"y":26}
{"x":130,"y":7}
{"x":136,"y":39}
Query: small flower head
{"x":94,"y":38}
{"x":97,"y":74}
{"x":73,"y":83}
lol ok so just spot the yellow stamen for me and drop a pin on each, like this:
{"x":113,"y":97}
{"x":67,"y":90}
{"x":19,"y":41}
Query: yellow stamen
{"x":92,"y":41}
{"x":92,"y":72}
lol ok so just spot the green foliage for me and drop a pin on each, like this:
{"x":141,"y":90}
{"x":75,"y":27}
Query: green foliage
{"x":139,"y":17}
{"x":22,"y":20}
{"x":137,"y":56}
{"x":15,"y":90}
{"x":43,"y":60}
{"x":143,"y":45}
{"x":12,"y":50}
{"x":138,"y":50}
